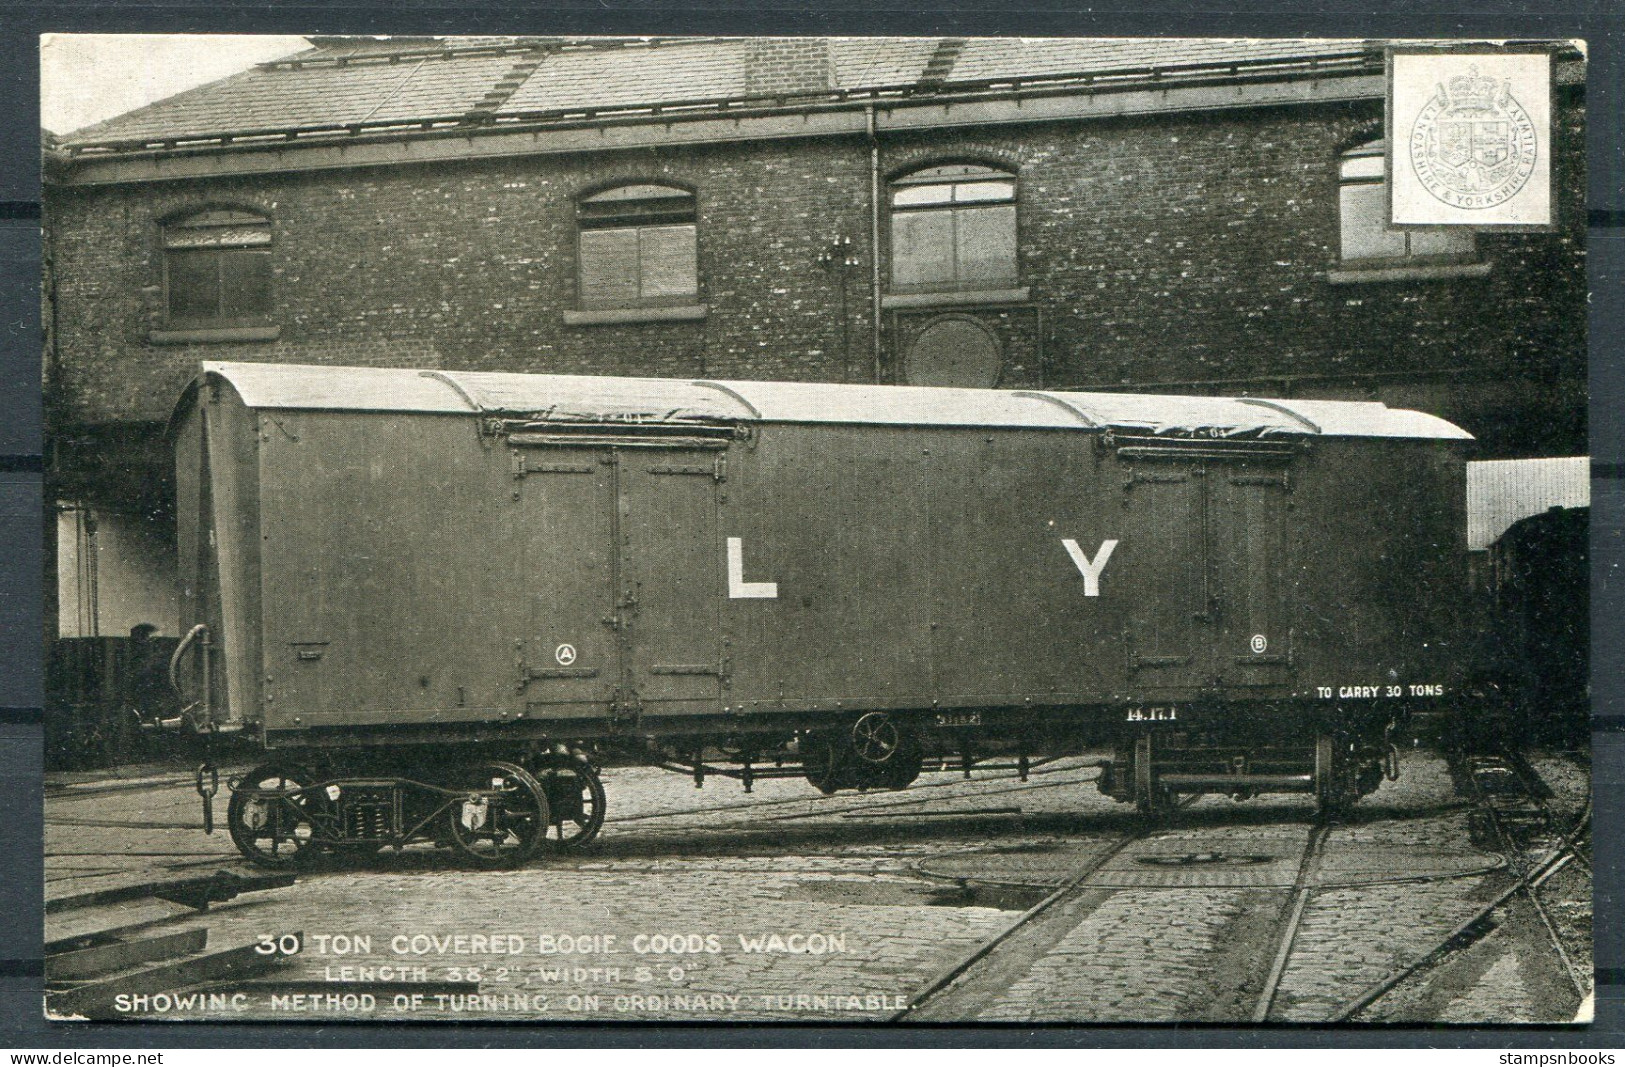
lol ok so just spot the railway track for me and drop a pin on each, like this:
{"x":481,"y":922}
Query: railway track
{"x":99,"y":963}
{"x":1505,"y":791}
{"x":1067,"y":905}
{"x":1503,"y":794}
{"x":1044,"y":922}
{"x":1279,"y":939}
{"x":1287,"y":935}
{"x":1049,"y":911}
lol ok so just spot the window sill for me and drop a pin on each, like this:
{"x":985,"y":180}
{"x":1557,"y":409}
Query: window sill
{"x":612,"y":316}
{"x":1410,"y":273}
{"x":962,"y":298}
{"x":207,"y":335}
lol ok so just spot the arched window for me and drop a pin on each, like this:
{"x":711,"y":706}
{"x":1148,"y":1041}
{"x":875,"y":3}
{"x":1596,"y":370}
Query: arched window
{"x":1365,"y":237}
{"x":217,"y":270}
{"x":953,"y":227}
{"x":637,"y":247}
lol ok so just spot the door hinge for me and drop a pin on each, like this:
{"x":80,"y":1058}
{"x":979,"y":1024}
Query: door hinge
{"x":541,"y":673}
{"x":1138,"y":662}
{"x":1284,"y":480}
{"x":1134,"y":478}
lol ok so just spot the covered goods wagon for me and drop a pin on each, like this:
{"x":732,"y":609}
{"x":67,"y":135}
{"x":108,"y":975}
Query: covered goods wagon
{"x":382,"y":570}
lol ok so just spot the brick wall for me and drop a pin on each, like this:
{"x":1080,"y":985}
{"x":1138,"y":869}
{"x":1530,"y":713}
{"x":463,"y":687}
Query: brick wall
{"x":1163,"y":252}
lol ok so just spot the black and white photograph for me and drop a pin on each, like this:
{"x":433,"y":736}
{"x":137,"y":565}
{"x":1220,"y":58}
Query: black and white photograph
{"x":920,"y":530}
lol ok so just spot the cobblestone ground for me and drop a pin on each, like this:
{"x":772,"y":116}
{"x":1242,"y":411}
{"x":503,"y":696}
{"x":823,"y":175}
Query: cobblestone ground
{"x":1353,"y":938}
{"x":1144,"y":972}
{"x":785,"y":904}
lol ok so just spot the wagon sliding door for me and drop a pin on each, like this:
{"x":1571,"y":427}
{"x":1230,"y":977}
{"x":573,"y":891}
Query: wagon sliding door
{"x":569,"y":662}
{"x":622,"y":575}
{"x":671,"y":577}
{"x":1205,"y":550}
{"x":1163,"y":557}
{"x":1247,"y":507}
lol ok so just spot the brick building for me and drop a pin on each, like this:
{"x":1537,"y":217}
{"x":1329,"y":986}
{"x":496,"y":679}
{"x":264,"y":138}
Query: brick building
{"x":1151,"y":215}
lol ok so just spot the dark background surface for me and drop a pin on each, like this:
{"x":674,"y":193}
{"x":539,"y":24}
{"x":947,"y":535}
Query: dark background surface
{"x":1600,"y":22}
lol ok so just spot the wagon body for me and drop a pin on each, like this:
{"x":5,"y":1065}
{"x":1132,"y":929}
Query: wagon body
{"x":401,"y":556}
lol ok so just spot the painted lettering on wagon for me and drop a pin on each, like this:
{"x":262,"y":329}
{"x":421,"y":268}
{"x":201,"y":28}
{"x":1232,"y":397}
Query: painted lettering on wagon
{"x":1089,"y":568}
{"x":1377,"y":692}
{"x":738,"y":588}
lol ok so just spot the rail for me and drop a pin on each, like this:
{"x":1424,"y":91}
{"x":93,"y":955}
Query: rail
{"x":1301,"y":891}
{"x":1074,"y":884}
{"x":1527,"y":884}
{"x":950,"y":974}
{"x":1535,"y":789}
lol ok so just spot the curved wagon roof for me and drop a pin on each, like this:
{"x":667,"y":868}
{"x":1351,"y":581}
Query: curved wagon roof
{"x":585,"y":399}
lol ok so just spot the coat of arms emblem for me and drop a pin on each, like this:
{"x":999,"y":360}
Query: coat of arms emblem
{"x":1472,"y":144}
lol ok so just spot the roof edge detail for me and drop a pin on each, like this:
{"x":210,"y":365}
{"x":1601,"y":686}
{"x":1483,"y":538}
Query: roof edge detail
{"x":568,"y":399}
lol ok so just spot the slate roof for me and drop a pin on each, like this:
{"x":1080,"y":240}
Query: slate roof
{"x":348,"y":82}
{"x":618,"y":77}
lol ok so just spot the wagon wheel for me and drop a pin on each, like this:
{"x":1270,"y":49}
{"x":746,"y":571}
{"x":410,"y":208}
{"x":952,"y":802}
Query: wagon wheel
{"x":272,"y":831}
{"x":900,"y":771}
{"x":875,"y":738}
{"x":1149,"y":797}
{"x":902,"y":763}
{"x":1334,"y":793}
{"x":575,"y":799}
{"x":822,"y":761}
{"x":504,"y":817}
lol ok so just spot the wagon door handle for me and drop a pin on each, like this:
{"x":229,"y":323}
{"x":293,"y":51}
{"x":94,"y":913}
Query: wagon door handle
{"x":1213,"y":612}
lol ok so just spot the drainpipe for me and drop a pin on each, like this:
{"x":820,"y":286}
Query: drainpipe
{"x":874,"y":238}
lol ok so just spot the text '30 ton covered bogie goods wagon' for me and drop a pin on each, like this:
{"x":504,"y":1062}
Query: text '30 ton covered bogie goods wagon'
{"x":439,"y":598}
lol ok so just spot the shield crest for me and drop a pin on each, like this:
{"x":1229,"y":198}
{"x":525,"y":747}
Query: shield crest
{"x":1485,"y":143}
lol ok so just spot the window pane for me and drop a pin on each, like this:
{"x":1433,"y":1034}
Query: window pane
{"x":914,"y":196}
{"x":216,"y":237}
{"x":245,"y":284}
{"x":636,"y":192}
{"x":667,"y":262}
{"x":1364,"y":224}
{"x":922,"y":248}
{"x":1442,"y":241}
{"x":985,"y":191}
{"x":987,"y":244}
{"x":609,"y":267}
{"x":194,"y":285}
{"x":636,"y":213}
{"x":1363,"y":166}
{"x":950,"y":170}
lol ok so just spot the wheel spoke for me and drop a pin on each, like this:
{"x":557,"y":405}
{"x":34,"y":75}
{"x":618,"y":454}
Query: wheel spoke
{"x":575,"y":798}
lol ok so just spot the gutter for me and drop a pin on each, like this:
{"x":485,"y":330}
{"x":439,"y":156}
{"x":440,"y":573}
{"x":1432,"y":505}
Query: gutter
{"x":848,"y":113}
{"x":433,"y":139}
{"x":874,"y":239}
